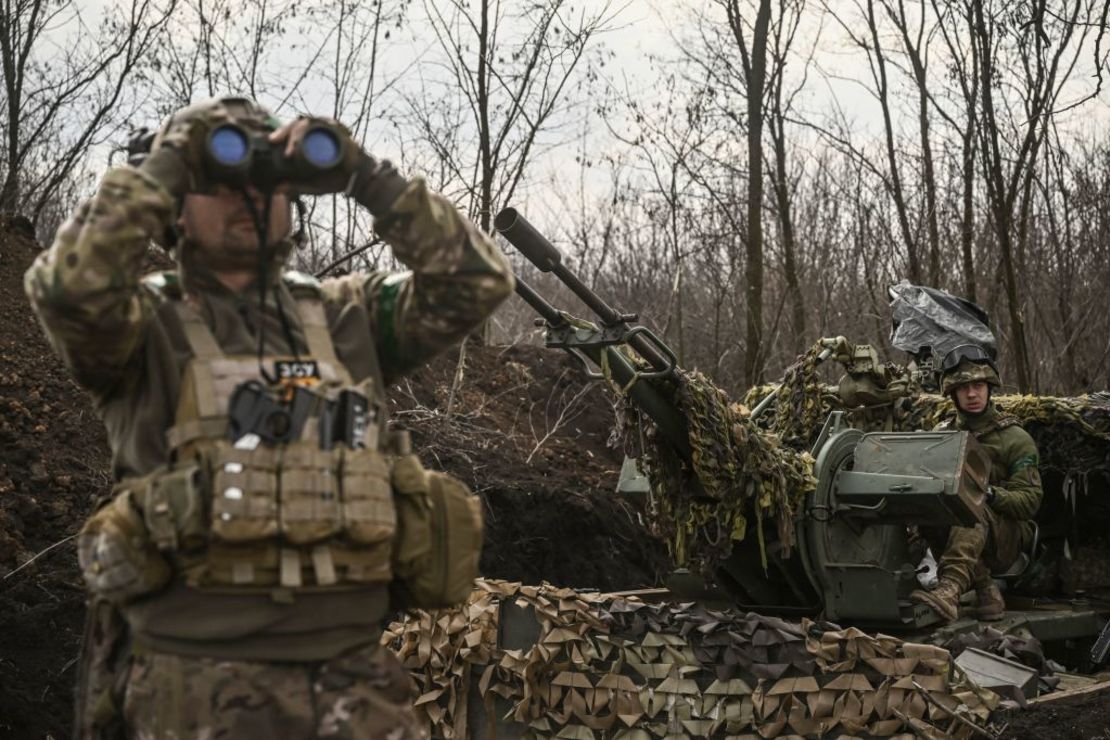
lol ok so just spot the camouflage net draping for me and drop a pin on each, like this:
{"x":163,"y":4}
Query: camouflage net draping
{"x":1072,"y":434}
{"x":802,"y":406}
{"x":742,"y":470}
{"x":607,"y":666}
{"x":763,"y":470}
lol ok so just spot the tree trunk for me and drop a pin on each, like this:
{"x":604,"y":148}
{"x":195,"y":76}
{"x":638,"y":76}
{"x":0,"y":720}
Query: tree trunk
{"x":753,"y":362}
{"x":967,"y":220}
{"x":786,"y":222}
{"x":896,"y":192}
{"x":1001,"y":205}
{"x":917,"y":64}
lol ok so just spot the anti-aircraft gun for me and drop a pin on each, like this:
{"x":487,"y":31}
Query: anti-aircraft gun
{"x":852,"y":559}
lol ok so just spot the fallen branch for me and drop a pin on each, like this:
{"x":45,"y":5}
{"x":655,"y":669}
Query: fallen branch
{"x":38,"y":555}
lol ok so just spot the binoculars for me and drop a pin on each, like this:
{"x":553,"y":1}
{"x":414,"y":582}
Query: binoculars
{"x":235,"y":156}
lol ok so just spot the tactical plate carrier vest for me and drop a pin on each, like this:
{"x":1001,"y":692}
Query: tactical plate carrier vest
{"x":294,"y":484}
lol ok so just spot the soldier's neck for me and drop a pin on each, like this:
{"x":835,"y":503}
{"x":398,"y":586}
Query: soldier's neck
{"x":977,"y":421}
{"x":236,"y":280}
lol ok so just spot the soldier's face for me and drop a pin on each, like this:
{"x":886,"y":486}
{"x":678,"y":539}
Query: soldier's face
{"x":221,"y":224}
{"x":972,"y":397}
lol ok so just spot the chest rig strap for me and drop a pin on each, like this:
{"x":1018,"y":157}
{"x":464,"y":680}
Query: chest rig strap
{"x":1002,"y":421}
{"x":210,"y":420}
{"x":212,"y":375}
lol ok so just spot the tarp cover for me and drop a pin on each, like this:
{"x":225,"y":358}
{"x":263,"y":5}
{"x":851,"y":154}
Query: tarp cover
{"x":926,"y":317}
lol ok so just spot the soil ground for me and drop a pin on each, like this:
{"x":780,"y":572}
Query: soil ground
{"x":528,"y":434}
{"x":1085,"y":717}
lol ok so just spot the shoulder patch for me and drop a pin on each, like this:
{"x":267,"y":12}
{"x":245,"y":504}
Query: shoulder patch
{"x":165,"y":284}
{"x":1024,"y":462}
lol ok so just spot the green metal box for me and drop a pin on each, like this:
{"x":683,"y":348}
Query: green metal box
{"x":926,"y":478}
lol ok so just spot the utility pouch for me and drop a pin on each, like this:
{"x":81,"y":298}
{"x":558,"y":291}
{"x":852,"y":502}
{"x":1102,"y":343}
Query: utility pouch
{"x":369,"y":517}
{"x":244,"y":492}
{"x":439,"y":538}
{"x":173,"y":509}
{"x":310,"y":509}
{"x":117,"y":557}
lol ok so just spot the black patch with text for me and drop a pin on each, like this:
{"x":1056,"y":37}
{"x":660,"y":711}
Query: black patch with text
{"x":296,"y":371}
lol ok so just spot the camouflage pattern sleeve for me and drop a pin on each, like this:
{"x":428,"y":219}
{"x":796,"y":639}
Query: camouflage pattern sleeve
{"x":457,"y":278}
{"x":85,"y":287}
{"x":1019,"y":496}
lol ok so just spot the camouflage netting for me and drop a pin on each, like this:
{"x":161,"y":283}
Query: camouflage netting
{"x":613,"y":666}
{"x":763,"y":470}
{"x":742,"y":471}
{"x":1072,"y":434}
{"x":803,"y":402}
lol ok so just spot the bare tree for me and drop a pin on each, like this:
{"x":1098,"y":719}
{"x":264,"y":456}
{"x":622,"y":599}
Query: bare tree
{"x":1044,"y":46}
{"x":63,"y":98}
{"x":501,"y":87}
{"x":781,"y":103}
{"x":872,"y":46}
{"x":755,"y":73}
{"x":915,"y":45}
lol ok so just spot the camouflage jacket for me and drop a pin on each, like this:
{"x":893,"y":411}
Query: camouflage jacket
{"x":115,"y":335}
{"x":1015,"y":477}
{"x":124,"y":342}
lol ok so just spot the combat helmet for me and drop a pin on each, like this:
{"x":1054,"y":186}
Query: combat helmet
{"x":242,"y":111}
{"x":967,"y":363}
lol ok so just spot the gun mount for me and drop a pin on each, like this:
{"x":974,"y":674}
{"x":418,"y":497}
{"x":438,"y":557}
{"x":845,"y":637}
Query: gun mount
{"x":852,"y":560}
{"x":599,"y":344}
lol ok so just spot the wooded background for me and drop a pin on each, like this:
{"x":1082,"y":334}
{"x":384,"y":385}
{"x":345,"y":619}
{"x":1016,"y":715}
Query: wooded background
{"x":728,"y":189}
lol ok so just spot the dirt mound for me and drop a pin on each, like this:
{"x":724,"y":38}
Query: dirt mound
{"x":53,"y":464}
{"x":1081,"y":717}
{"x":527,"y":433}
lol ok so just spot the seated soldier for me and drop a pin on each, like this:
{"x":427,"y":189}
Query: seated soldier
{"x":967,"y":555}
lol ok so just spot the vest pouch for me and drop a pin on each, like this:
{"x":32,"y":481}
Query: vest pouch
{"x":309,"y":493}
{"x":117,"y":558}
{"x":367,"y":498}
{"x":244,"y":492}
{"x":438,"y":543}
{"x":173,"y":509}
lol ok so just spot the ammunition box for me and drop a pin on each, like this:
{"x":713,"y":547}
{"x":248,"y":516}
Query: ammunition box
{"x":925,"y":478}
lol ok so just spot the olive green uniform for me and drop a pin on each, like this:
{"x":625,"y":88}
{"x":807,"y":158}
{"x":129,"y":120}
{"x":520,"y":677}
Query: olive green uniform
{"x":282,"y":664}
{"x":970,"y":554}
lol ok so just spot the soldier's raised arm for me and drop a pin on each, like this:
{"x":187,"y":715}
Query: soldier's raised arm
{"x":456,"y":276}
{"x":85,"y":288}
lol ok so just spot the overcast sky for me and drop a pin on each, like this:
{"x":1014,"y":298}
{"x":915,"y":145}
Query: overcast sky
{"x":642,"y":30}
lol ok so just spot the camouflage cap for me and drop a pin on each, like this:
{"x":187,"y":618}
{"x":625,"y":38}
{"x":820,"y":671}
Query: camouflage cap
{"x":968,"y":372}
{"x":214,"y":111}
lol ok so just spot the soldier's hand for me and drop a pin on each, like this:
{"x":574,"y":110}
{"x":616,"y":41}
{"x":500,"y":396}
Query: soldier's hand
{"x":176,"y":158}
{"x":318,"y":181}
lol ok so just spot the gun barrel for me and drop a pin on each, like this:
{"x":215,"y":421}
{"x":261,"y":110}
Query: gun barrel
{"x":531,"y":243}
{"x":539,"y":304}
{"x":543,"y":254}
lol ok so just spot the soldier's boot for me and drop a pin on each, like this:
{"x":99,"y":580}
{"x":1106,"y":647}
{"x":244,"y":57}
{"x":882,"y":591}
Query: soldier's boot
{"x":989,"y":604}
{"x":944,"y":599}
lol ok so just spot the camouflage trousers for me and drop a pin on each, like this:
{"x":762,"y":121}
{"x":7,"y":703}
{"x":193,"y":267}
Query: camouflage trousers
{"x":968,"y":555}
{"x":363,"y":694}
